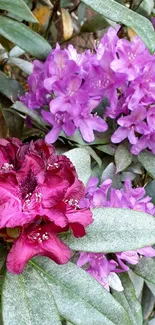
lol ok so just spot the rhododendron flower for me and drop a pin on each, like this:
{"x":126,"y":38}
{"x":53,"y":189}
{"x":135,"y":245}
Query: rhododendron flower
{"x":101,"y":267}
{"x":69,"y":86}
{"x":40,"y":194}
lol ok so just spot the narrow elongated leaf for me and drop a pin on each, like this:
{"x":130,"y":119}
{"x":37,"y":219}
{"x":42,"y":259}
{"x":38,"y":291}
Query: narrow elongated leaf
{"x":112,"y":10}
{"x":146,"y":269}
{"x":81,"y":160}
{"x":147,"y":159}
{"x":10,"y":87}
{"x":45,"y":291}
{"x":24,"y":65}
{"x":16,"y":52}
{"x":19,"y":8}
{"x":116,"y":230}
{"x":20,"y":107}
{"x":150,"y":190}
{"x":24,"y":37}
{"x":123,"y":158}
{"x":137,"y":281}
{"x":128,"y":300}
{"x":147,"y":302}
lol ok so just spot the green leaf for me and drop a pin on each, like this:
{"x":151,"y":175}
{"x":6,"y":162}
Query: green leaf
{"x":27,"y":299}
{"x":147,"y":302}
{"x":15,"y":123}
{"x":115,"y":230}
{"x":46,"y":290}
{"x":112,"y":10}
{"x":151,"y":286}
{"x":107,"y":148}
{"x":146,"y":269}
{"x":19,"y":8}
{"x":123,"y":158}
{"x":147,"y":159}
{"x":81,"y":160}
{"x":24,"y":65}
{"x":73,"y":287}
{"x":138,"y":283}
{"x":24,"y":37}
{"x":10,"y":87}
{"x":129,"y":301}
{"x":96,"y":22}
{"x":150,"y":190}
{"x":146,"y":7}
{"x":20,"y":107}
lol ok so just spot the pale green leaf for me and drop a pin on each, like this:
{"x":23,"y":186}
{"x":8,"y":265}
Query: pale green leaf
{"x":46,"y":291}
{"x":137,"y":281}
{"x":116,"y":230}
{"x":24,"y":65}
{"x":81,"y":160}
{"x":24,"y":37}
{"x":28,"y":300}
{"x":72,"y":286}
{"x":123,"y":158}
{"x":112,"y":10}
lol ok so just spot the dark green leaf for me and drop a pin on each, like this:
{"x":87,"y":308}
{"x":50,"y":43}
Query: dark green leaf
{"x":146,"y":269}
{"x":150,"y":190}
{"x":121,"y":14}
{"x":10,"y":87}
{"x":20,"y":107}
{"x":95,"y":23}
{"x":128,"y":300}
{"x":24,"y":37}
{"x":19,"y":8}
{"x":116,"y":230}
{"x":14,"y":122}
{"x":147,"y":302}
{"x":147,"y":159}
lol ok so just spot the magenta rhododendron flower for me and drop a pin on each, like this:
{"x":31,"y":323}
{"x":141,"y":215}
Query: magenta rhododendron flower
{"x":40,"y":195}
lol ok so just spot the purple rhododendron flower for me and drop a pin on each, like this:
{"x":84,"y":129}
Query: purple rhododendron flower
{"x":69,"y":86}
{"x":99,"y":265}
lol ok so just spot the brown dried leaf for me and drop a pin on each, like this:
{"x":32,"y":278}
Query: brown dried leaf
{"x":42,"y":13}
{"x":67,"y":24}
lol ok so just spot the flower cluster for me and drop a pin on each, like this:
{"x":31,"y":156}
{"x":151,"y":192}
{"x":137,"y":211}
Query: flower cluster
{"x":40,"y":194}
{"x":71,"y":85}
{"x":61,"y":83}
{"x":102,"y":267}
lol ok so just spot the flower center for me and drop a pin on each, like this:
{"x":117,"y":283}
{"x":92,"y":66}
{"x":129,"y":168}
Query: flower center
{"x":28,"y":186}
{"x":38,"y":236}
